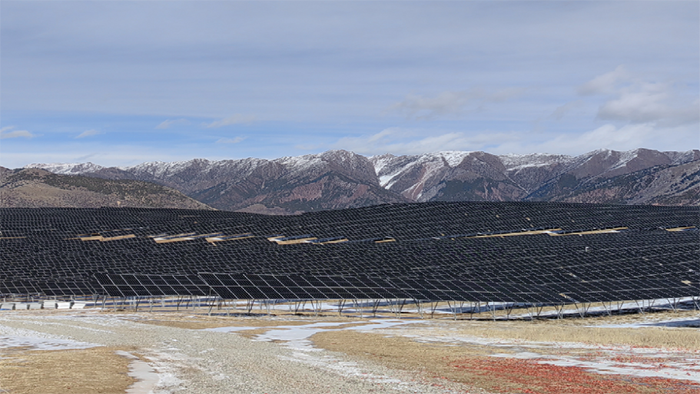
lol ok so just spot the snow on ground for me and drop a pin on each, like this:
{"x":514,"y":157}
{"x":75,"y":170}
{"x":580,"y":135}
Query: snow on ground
{"x":297,"y":337}
{"x":678,"y":323}
{"x":146,"y":377}
{"x":176,"y":360}
{"x":620,"y":360}
{"x":34,"y":340}
{"x":685,"y":369}
{"x":89,"y":328}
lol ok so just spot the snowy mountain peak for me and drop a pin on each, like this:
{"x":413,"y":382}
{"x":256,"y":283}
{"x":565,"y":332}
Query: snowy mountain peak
{"x":453,"y":158}
{"x":518,"y":162}
{"x":345,"y":177}
{"x":67,"y":168}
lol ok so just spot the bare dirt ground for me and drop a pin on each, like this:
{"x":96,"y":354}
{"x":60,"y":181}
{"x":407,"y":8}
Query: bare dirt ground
{"x":93,"y":351}
{"x":64,"y":371}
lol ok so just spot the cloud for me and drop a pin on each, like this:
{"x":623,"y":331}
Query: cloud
{"x":562,"y":110}
{"x":631,"y":99}
{"x":606,"y":83}
{"x":651,"y":102}
{"x":451,"y":103}
{"x":402,"y":142}
{"x":89,"y":133}
{"x":231,"y":120}
{"x":230,"y":140}
{"x":6,"y":133}
{"x":606,"y":136}
{"x":609,"y":136}
{"x":169,"y":122}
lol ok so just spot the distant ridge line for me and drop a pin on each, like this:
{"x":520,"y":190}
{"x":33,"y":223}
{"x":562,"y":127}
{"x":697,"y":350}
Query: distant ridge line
{"x":341,"y":179}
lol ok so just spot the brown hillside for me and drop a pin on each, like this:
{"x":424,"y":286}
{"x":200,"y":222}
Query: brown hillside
{"x":34,"y":188}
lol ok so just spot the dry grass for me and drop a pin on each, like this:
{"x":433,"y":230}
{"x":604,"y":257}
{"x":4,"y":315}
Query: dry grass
{"x":469,"y":364}
{"x":199,"y":325}
{"x":87,"y":371}
{"x":556,"y":331}
{"x":202,"y":321}
{"x":431,"y":353}
{"x":567,"y":330}
{"x":395,"y":352}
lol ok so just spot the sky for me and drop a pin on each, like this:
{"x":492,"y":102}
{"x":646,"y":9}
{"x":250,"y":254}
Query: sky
{"x":118,"y":83}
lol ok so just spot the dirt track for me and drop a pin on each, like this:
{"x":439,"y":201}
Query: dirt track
{"x":286,"y":355}
{"x":189,"y":360}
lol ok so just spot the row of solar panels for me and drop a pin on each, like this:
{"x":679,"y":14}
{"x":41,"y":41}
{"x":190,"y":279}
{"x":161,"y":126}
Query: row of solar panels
{"x":403,"y":220}
{"x":499,"y":260}
{"x":533,"y":268}
{"x":294,"y":287}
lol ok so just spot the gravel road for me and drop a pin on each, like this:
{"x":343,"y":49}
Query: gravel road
{"x":217,"y":362}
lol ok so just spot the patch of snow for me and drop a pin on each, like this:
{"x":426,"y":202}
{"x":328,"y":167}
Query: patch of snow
{"x":608,"y":152}
{"x":158,"y":169}
{"x":453,"y":158}
{"x":342,"y":368}
{"x":166,"y":366}
{"x":379,"y":324}
{"x":33,"y":340}
{"x":384,"y":180}
{"x":625,"y":157}
{"x":297,"y":337}
{"x":321,"y":359}
{"x":380,"y":162}
{"x":66,"y":168}
{"x":680,"y":157}
{"x":146,"y":377}
{"x":602,"y":359}
{"x":299,"y":163}
{"x":229,"y":329}
{"x":431,"y":162}
{"x":514,"y":162}
{"x":688,"y":370}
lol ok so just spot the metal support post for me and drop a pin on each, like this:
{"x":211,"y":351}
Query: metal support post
{"x":341,"y":304}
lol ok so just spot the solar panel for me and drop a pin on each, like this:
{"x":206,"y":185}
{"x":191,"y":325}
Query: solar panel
{"x":466,"y":251}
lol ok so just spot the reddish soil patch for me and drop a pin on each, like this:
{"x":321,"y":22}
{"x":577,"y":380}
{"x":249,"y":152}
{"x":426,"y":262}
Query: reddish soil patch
{"x":507,"y":375}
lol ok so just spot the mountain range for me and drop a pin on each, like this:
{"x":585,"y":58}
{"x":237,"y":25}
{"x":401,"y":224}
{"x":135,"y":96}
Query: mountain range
{"x":341,"y":179}
{"x":35,"y":188}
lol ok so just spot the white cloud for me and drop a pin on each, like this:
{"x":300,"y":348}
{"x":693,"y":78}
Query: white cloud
{"x":451,"y":103}
{"x":650,"y":102}
{"x":633,"y":100}
{"x":230,"y":140}
{"x":231,"y":120}
{"x":89,"y":133}
{"x":7,"y":132}
{"x":606,"y":83}
{"x":170,"y":122}
{"x":401,"y":142}
{"x":631,"y":136}
{"x":607,"y":136}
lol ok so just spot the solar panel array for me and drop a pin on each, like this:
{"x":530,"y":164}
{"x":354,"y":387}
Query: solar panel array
{"x":464,"y":251}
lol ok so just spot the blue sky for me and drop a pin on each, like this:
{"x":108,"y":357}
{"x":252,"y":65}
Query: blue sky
{"x":120,"y":83}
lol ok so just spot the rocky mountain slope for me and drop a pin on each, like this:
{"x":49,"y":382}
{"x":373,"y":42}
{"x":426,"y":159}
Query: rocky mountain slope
{"x":331,"y":180}
{"x":34,"y":188}
{"x":340,"y":179}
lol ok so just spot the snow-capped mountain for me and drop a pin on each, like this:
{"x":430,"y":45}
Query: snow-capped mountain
{"x":340,"y":179}
{"x":67,"y":168}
